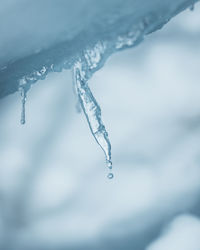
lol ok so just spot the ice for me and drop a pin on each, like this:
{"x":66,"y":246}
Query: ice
{"x":41,"y":37}
{"x":89,"y":104}
{"x":38,"y":38}
{"x":50,"y":36}
{"x":23,"y":102}
{"x":52,"y":194}
{"x":92,"y":110}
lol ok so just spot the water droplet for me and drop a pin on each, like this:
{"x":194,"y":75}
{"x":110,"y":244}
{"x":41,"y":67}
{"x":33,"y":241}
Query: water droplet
{"x":109,"y":164}
{"x":110,"y":176}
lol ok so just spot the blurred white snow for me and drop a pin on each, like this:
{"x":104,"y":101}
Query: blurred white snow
{"x":182,"y":233}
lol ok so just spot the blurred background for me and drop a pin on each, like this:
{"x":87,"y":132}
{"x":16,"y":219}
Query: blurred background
{"x":54,"y":193}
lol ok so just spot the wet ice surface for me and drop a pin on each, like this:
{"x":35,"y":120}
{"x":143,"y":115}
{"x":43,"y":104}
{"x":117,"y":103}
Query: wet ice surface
{"x":35,"y":26}
{"x":38,"y":38}
{"x":52,"y":187}
{"x":61,"y":39}
{"x":92,"y":112}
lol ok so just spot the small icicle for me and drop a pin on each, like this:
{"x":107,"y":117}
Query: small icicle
{"x":92,"y":112}
{"x":23,"y":103}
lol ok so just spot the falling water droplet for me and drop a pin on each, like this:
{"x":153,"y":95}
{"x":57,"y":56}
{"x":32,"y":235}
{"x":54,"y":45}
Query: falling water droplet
{"x":110,"y":176}
{"x":109,"y":164}
{"x":23,"y":103}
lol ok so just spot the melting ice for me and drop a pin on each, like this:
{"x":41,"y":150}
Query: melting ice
{"x":113,"y":34}
{"x":23,"y":103}
{"x":92,"y":112}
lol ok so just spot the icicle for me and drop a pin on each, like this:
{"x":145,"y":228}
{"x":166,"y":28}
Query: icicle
{"x":92,"y":112}
{"x":23,"y":103}
{"x":23,"y":91}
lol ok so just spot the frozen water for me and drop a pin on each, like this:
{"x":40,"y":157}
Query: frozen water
{"x":89,"y":104}
{"x":23,"y":102}
{"x":41,"y":37}
{"x":52,"y":194}
{"x":50,"y":36}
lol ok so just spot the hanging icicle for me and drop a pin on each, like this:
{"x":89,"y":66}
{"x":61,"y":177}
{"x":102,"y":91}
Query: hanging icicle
{"x":92,"y":112}
{"x":23,"y":105}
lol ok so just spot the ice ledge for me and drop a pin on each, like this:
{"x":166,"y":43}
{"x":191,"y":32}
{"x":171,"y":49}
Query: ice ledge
{"x":105,"y":32}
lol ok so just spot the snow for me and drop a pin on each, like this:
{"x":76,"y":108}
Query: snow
{"x":52,"y":34}
{"x":182,"y":233}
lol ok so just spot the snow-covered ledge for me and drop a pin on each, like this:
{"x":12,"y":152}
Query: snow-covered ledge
{"x":38,"y":37}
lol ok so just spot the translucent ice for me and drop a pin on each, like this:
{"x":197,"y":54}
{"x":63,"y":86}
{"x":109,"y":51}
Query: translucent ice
{"x":89,"y":104}
{"x":38,"y":37}
{"x":23,"y":102}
